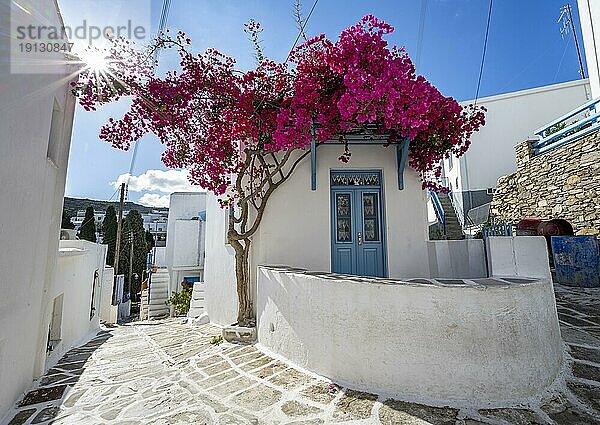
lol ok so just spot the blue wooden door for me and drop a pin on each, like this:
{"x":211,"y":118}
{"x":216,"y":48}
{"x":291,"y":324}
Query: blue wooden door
{"x":357,"y":224}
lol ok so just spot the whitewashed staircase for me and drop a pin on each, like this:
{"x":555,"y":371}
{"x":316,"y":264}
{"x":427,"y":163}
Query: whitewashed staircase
{"x":159,"y":293}
{"x":197,"y":302}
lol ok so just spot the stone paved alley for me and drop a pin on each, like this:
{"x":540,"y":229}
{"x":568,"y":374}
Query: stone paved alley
{"x":168,"y":373}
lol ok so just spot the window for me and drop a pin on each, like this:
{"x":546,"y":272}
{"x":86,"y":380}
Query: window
{"x":371,"y":216}
{"x":54,"y":139}
{"x":343,"y":206}
{"x":95,"y":284}
{"x":55,"y":329}
{"x":450,"y":164}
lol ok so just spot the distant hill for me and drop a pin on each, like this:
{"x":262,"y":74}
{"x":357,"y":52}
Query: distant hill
{"x":72,"y":205}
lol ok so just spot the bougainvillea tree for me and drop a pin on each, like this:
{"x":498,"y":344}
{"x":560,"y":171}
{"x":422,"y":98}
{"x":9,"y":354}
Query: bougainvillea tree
{"x":242,"y":134}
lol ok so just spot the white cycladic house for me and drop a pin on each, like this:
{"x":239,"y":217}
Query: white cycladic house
{"x":510,"y":119}
{"x":357,"y":221}
{"x":184,"y":256}
{"x":36,"y":117}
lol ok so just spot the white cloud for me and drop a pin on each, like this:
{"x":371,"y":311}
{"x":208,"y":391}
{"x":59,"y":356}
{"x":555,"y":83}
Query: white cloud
{"x":158,"y":181}
{"x":154,"y":200}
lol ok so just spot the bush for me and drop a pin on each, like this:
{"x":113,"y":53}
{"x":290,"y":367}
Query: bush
{"x":180,"y":300}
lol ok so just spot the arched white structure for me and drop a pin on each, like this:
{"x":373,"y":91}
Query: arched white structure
{"x":459,"y":342}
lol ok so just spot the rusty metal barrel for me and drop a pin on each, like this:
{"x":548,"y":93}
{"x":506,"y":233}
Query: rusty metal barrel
{"x":528,"y":226}
{"x":554,"y":227}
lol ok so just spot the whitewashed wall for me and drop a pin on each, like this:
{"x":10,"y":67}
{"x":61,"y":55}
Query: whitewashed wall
{"x":518,"y":256}
{"x":74,"y":279}
{"x":219,"y":268}
{"x":589,"y":17}
{"x":160,"y":253}
{"x":31,"y":194}
{"x":457,"y":259}
{"x":482,"y":343}
{"x":296,"y":226}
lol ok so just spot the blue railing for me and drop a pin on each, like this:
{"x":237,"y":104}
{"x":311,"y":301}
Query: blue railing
{"x":496,"y":229}
{"x":562,"y":130}
{"x":438,"y":209}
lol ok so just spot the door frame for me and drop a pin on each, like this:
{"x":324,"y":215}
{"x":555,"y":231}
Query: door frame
{"x":332,"y":225}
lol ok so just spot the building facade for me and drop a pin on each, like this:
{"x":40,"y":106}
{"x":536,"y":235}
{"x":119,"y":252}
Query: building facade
{"x":510,"y":119}
{"x":36,"y":120}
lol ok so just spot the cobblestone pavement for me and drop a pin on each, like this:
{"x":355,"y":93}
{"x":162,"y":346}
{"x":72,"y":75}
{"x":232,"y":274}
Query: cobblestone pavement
{"x":168,"y":373}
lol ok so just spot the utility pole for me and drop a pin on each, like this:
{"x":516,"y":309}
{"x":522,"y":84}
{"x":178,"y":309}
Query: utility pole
{"x":119,"y":225}
{"x":567,"y":21}
{"x":130,"y":261}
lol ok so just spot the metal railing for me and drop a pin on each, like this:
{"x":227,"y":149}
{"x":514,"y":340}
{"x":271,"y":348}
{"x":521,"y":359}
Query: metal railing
{"x":479,"y":215}
{"x":439,"y":210}
{"x":568,"y":127}
{"x":496,"y":228}
{"x":463,"y":219}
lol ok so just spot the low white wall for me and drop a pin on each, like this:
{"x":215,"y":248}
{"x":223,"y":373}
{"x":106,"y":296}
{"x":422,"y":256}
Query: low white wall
{"x":462,"y":259}
{"x":486,"y":342}
{"x":160,"y":256}
{"x":108,"y":312}
{"x":518,"y":256}
{"x":74,"y":279}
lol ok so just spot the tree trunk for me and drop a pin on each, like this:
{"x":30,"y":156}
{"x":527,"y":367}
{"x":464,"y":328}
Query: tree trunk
{"x":245,"y":309}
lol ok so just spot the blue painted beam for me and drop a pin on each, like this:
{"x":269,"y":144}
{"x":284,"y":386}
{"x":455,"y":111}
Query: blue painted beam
{"x":313,"y":165}
{"x":402,"y":158}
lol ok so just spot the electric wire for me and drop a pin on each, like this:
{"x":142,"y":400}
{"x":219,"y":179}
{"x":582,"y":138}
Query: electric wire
{"x":300,"y":32}
{"x":421,"y":32}
{"x":487,"y":31}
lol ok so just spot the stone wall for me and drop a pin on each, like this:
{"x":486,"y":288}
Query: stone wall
{"x":563,"y":182}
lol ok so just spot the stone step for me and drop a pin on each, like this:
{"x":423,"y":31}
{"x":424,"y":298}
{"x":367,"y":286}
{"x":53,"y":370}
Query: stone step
{"x":195,"y":311}
{"x":159,"y":309}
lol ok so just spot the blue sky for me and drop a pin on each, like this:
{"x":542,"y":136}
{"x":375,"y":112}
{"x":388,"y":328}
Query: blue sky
{"x":525,"y":50}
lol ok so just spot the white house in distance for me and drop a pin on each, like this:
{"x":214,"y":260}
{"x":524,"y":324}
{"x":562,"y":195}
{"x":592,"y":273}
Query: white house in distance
{"x":185,"y":238}
{"x":511,"y":118}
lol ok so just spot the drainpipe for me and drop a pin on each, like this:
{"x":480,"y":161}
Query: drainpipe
{"x":465,"y":211}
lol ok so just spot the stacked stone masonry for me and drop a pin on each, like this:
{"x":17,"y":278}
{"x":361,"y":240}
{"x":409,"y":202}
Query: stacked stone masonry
{"x":563,"y":182}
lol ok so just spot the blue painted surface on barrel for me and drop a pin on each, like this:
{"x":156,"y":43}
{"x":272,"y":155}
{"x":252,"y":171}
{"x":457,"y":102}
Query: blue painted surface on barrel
{"x":576,"y":260}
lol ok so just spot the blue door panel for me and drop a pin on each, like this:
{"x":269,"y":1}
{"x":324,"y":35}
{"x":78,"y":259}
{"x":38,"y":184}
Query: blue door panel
{"x":357,"y":232}
{"x":370,"y":262}
{"x":345,"y":260}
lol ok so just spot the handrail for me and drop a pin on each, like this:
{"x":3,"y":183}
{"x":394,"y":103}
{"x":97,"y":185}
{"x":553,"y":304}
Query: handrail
{"x":564,"y":132}
{"x":588,"y":105}
{"x":479,"y":215}
{"x":571,"y":131}
{"x":463,"y":219}
{"x":438,"y":208}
